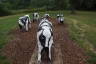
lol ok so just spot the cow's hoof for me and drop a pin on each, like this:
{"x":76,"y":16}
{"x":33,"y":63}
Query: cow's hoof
{"x":39,"y":62}
{"x":53,"y":45}
{"x":50,"y":62}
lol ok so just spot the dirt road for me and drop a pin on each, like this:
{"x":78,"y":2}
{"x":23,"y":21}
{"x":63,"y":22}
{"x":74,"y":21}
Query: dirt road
{"x":22,"y":47}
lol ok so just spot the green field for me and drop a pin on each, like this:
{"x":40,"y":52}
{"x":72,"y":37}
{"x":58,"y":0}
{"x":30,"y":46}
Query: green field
{"x":82,"y":29}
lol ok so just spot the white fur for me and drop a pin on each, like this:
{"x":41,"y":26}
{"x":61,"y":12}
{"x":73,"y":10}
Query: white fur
{"x":20,"y":23}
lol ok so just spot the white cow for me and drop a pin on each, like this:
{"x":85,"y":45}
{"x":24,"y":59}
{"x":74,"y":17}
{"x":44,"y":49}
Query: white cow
{"x":35,"y":17}
{"x":44,"y":38}
{"x":60,"y":18}
{"x":24,"y":23}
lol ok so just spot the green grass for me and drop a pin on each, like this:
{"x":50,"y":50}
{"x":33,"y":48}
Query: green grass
{"x":6,"y":25}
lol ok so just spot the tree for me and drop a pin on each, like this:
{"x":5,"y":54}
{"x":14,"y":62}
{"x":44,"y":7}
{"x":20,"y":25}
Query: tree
{"x":60,"y":4}
{"x":4,"y":10}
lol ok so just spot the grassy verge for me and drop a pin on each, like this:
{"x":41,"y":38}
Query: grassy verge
{"x":82,"y":28}
{"x":6,"y":25}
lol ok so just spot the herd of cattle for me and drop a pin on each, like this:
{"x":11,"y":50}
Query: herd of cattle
{"x":44,"y":34}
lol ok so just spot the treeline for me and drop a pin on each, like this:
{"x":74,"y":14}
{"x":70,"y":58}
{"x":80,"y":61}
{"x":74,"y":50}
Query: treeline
{"x":47,"y":4}
{"x":50,"y":4}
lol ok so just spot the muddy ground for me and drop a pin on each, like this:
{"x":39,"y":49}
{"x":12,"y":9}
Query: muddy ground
{"x":22,"y":49}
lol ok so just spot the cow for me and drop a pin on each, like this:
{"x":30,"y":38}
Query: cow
{"x":60,"y":18}
{"x":46,"y":16}
{"x":35,"y":17}
{"x":44,"y":38}
{"x":24,"y":23}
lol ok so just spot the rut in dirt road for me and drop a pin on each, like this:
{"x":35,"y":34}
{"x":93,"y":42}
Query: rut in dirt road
{"x":22,"y":49}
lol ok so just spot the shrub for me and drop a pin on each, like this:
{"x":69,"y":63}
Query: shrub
{"x":4,"y":10}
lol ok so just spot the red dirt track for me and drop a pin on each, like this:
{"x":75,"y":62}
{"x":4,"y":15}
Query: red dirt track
{"x":22,"y":47}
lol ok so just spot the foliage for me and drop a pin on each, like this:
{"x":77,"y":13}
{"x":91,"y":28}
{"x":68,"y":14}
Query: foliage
{"x":7,"y":5}
{"x":3,"y":10}
{"x":51,"y":4}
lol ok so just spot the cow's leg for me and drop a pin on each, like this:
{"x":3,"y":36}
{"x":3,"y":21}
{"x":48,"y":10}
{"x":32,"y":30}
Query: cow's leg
{"x":50,"y":46}
{"x":30,"y":25}
{"x":39,"y":47}
{"x":20,"y":26}
{"x":50,"y":53}
{"x":52,"y":40}
{"x":39,"y":53}
{"x":26,"y":26}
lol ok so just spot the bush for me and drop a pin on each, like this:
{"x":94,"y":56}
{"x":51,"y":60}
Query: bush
{"x":4,"y":11}
{"x":28,"y":10}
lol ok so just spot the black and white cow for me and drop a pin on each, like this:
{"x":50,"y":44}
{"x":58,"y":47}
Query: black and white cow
{"x":46,"y":16}
{"x":35,"y":17}
{"x":60,"y":18}
{"x":24,"y":23}
{"x":44,"y":38}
